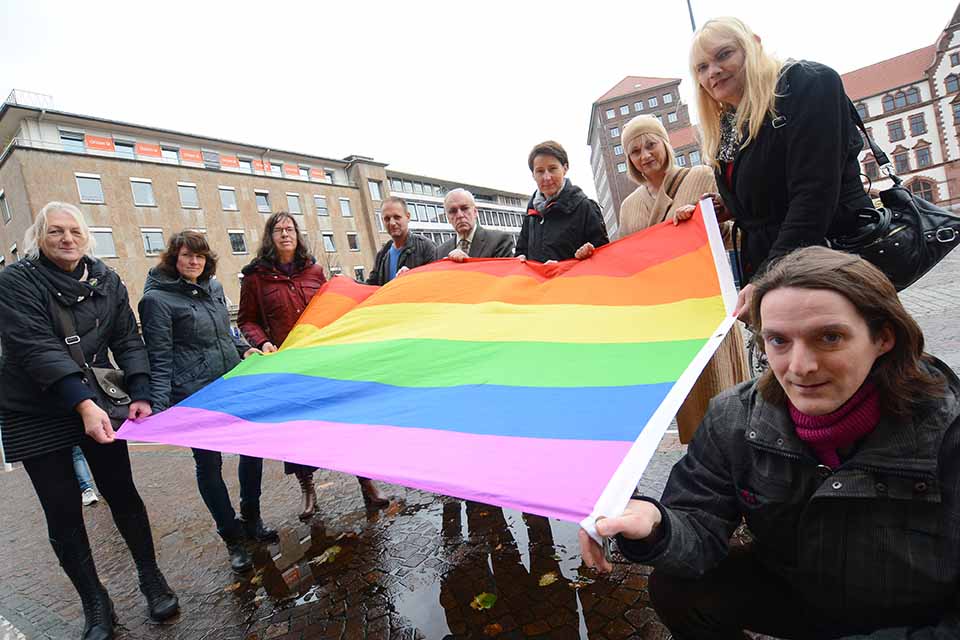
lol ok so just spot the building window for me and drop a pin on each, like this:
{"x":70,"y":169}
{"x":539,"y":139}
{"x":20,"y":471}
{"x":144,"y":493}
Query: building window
{"x":621,"y":167}
{"x":900,"y":100}
{"x":72,"y":141}
{"x":228,"y":199}
{"x":353,"y":241}
{"x":328,"y":244}
{"x":331,"y":175}
{"x":345,"y":210}
{"x":615,"y":132}
{"x":377,"y":216}
{"x":320,"y":203}
{"x":396,"y":185}
{"x":901,"y":161}
{"x":3,"y":263}
{"x":953,"y":83}
{"x":238,"y":241}
{"x":211,"y":159}
{"x":170,"y":154}
{"x":694,"y":158}
{"x":142,"y":192}
{"x":667,"y":98}
{"x":954,"y":59}
{"x":610,"y":114}
{"x":895,"y":130}
{"x":14,"y":254}
{"x":91,"y":191}
{"x":374,"y":186}
{"x":652,"y":102}
{"x":624,"y":109}
{"x":418,"y":187}
{"x":871,"y":170}
{"x":293,"y":203}
{"x":263,"y":201}
{"x":189,"y":198}
{"x":672,"y":116}
{"x":124,"y":149}
{"x":923,"y":189}
{"x":638,"y":106}
{"x":913,"y":95}
{"x":956,"y":113}
{"x":4,"y":208}
{"x":681,"y":160}
{"x":103,"y":246}
{"x":246,"y":165}
{"x":276,"y":169}
{"x":863,"y":111}
{"x":887,"y":103}
{"x":304,"y":172}
{"x":407,"y":186}
{"x":358,"y":274}
{"x":924,"y":159}
{"x":918,"y":124}
{"x":152,"y":241}
{"x":618,"y":149}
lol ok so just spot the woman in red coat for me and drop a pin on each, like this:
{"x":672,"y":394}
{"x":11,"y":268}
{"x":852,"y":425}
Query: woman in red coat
{"x":277,"y":286}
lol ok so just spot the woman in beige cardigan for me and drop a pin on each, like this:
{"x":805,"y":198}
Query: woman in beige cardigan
{"x":668,"y":192}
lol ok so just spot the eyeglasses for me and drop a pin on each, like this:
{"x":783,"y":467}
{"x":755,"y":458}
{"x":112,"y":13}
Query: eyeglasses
{"x":284,"y":231}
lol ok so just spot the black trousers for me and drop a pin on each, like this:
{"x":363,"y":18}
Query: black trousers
{"x":740,"y":593}
{"x":59,"y":492}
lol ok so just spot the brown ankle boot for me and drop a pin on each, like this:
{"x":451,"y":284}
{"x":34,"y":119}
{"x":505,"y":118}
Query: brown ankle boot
{"x":371,"y":496}
{"x":309,"y":496}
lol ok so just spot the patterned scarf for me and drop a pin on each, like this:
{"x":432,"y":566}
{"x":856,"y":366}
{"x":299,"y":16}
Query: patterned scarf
{"x":729,"y":136}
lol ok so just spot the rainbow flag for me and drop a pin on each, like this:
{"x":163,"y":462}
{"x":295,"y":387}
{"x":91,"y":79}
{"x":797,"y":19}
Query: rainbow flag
{"x":544,"y":388}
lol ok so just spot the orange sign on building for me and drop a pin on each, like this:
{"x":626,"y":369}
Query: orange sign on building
{"x":318,"y":174}
{"x":99,"y":143}
{"x":230,"y":161}
{"x":291,"y":169}
{"x":149,"y":150}
{"x":259,"y":166}
{"x":191,"y":155}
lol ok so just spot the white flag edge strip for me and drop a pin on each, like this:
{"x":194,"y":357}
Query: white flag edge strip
{"x":614,"y":498}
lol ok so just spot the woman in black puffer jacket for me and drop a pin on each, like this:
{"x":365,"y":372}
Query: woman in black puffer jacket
{"x":561,"y":222}
{"x":186,"y":325}
{"x":48,"y":406}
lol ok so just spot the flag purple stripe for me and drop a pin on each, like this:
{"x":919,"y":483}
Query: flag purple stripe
{"x":498,"y":468}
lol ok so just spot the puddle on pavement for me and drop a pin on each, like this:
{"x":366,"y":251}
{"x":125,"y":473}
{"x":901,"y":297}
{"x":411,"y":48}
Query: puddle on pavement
{"x":479,"y":572}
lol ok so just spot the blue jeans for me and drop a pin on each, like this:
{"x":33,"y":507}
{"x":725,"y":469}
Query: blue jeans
{"x":214,"y":491}
{"x":81,"y":470}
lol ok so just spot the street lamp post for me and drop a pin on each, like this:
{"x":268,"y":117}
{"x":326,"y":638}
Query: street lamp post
{"x":693,"y":24}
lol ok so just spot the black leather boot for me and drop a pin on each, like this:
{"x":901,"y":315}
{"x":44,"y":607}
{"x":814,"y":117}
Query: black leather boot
{"x":162,"y":602}
{"x":253,"y":526}
{"x":240,"y":559}
{"x":73,"y":551}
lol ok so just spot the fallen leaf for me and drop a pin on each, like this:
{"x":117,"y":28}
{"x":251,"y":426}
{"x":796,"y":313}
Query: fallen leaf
{"x":233,"y":587}
{"x":257,"y":579}
{"x":328,"y":555}
{"x":499,"y":547}
{"x":580,"y":582}
{"x":324,"y":485}
{"x":484,"y":601}
{"x":548,"y":578}
{"x":493,"y":629}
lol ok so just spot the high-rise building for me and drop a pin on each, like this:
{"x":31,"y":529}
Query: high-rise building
{"x":633,"y":96}
{"x":910,"y":105}
{"x":137,"y":185}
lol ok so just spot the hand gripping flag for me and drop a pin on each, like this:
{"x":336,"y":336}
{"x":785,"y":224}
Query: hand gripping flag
{"x":544,"y":388}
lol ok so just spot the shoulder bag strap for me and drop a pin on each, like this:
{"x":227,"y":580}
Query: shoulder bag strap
{"x":68,"y":329}
{"x":878,"y":153}
{"x":674,"y":185}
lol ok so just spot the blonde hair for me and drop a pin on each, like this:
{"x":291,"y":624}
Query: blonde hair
{"x":634,"y":132}
{"x":761,"y":73}
{"x":36,"y":231}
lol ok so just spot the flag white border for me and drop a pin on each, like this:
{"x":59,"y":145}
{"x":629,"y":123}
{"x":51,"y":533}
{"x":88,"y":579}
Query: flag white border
{"x":624,"y":480}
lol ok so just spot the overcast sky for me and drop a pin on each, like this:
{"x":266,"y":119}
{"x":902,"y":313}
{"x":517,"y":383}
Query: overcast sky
{"x":450,"y":89}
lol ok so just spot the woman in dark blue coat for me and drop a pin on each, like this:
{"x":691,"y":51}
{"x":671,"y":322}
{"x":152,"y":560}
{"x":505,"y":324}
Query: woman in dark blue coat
{"x":48,"y":406}
{"x":186,"y":325}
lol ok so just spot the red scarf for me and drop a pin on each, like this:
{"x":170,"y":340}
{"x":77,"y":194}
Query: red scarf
{"x":832,"y":432}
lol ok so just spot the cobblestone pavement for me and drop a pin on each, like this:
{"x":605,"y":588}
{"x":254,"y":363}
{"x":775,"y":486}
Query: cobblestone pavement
{"x":410,"y":571}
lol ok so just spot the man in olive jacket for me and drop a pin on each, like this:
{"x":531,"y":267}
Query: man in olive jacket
{"x":405,"y":250}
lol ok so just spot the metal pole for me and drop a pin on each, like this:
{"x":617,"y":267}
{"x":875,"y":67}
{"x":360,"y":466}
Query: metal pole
{"x":693,"y":23}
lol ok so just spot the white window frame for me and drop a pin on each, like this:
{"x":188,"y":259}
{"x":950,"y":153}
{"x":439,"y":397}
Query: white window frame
{"x":299,"y":211}
{"x":72,"y":132}
{"x":611,"y":114}
{"x":5,"y":208}
{"x":355,"y":236}
{"x":180,"y":195}
{"x":638,"y":106}
{"x":618,"y":149}
{"x":615,"y":132}
{"x":133,"y":191}
{"x":358,"y":273}
{"x":621,"y":167}
{"x":375,"y":185}
{"x":624,"y":109}
{"x":236,"y":203}
{"x":262,"y":192}
{"x":323,"y":237}
{"x":94,"y":230}
{"x":652,"y":102}
{"x":242,"y":232}
{"x":668,"y":98}
{"x":91,"y":176}
{"x":672,"y":116}
{"x":125,"y":142}
{"x":349,"y":210}
{"x":249,"y":162}
{"x":152,"y":230}
{"x":325,"y":207}
{"x":169,"y":147}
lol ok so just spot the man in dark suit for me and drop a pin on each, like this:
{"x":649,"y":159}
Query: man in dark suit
{"x":472,"y":240}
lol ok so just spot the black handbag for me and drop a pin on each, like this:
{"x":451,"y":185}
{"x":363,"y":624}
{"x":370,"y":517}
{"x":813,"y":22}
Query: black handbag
{"x":106,"y":383}
{"x":908,"y":236}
